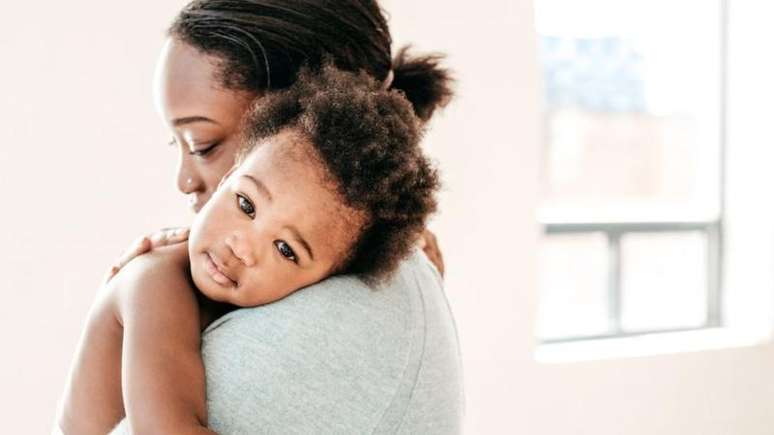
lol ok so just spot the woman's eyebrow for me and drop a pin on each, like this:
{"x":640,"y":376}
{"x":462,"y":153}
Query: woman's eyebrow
{"x":190,"y":120}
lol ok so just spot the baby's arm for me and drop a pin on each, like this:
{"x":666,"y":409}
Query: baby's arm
{"x":92,"y":402}
{"x":162,"y":370}
{"x":148,"y":316}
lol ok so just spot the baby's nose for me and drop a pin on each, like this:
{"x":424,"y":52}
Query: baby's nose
{"x":241,"y":248}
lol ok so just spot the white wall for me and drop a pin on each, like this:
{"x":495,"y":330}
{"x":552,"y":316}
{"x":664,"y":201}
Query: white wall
{"x":84,"y":169}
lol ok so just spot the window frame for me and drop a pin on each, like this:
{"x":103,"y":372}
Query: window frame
{"x":713,"y":230}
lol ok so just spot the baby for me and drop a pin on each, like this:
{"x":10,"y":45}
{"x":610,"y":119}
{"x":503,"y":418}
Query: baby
{"x":331,"y":180}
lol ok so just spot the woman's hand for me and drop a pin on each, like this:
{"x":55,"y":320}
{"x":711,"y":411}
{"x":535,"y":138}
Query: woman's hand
{"x":429,"y":244}
{"x":167,"y":236}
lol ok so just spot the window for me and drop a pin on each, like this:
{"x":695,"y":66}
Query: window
{"x":632,"y":210}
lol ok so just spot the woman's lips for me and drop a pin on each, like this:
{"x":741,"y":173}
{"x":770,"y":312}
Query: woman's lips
{"x":216,"y":272}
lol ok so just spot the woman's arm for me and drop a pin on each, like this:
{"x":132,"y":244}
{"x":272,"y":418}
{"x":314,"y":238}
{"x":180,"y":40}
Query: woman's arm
{"x":163,"y":375}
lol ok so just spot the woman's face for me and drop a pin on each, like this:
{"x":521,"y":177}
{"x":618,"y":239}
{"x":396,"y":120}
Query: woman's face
{"x":203,"y":118}
{"x":275,"y":225}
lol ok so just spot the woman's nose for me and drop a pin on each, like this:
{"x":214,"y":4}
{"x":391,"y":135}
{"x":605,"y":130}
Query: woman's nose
{"x":242,"y":248}
{"x":188,"y":179}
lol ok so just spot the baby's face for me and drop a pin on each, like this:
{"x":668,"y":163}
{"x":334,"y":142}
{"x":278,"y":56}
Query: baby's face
{"x":272,"y":227}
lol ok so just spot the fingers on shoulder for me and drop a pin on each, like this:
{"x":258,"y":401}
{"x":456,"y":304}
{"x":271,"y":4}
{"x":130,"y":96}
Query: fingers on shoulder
{"x":169,"y":236}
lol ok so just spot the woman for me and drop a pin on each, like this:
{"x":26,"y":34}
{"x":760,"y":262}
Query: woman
{"x":336,"y":356}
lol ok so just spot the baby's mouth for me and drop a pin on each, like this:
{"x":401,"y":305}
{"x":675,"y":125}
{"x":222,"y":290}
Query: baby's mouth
{"x":217,"y":271}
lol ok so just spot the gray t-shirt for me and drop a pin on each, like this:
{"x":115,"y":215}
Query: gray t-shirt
{"x":339,"y":357}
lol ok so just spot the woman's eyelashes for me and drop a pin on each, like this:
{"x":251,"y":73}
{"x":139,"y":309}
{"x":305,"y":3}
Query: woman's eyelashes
{"x":286,"y":251}
{"x":200,"y":152}
{"x":245,"y":205}
{"x":204,"y":151}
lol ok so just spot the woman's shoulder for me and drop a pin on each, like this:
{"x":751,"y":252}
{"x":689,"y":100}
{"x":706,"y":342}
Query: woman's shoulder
{"x":345,"y":351}
{"x":346,"y":305}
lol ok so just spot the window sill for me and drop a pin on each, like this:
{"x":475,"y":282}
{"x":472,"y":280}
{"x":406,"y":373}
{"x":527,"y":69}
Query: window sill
{"x":650,"y":345}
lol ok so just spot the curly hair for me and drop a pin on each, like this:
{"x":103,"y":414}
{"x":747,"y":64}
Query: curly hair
{"x":367,"y":139}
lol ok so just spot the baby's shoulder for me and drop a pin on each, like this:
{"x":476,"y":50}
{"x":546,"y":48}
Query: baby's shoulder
{"x":175,"y":255}
{"x":162,"y":267}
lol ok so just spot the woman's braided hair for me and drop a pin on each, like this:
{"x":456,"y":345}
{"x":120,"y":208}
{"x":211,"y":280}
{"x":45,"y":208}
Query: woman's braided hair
{"x":262,"y":44}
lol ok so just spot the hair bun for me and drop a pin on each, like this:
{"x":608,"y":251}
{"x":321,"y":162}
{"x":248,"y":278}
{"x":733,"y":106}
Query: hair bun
{"x":426,"y":84}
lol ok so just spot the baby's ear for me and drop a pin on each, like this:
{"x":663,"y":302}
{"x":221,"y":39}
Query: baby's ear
{"x":228,"y":174}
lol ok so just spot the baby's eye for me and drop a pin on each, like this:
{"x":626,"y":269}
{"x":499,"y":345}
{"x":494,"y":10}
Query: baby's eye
{"x":245,"y":205}
{"x":286,"y":251}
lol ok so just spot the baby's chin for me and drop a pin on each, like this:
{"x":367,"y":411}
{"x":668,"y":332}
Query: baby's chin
{"x":219,"y":293}
{"x":209,"y":288}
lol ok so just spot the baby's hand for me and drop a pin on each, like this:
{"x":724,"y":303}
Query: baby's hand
{"x":165,"y":237}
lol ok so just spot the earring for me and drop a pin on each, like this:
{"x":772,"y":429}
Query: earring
{"x":189,"y":181}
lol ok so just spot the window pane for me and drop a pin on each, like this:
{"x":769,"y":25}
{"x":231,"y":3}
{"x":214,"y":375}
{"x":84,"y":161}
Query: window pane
{"x":664,"y":280}
{"x":631,"y":125}
{"x":573,"y":286}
